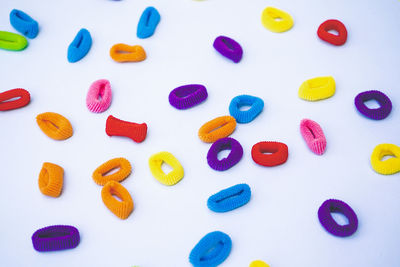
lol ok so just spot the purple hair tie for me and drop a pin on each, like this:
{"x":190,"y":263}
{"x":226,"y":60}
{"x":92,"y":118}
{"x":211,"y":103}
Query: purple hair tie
{"x":222,"y":144}
{"x":55,"y":237}
{"x":376,"y":114}
{"x":187,"y":96}
{"x":330,"y":225}
{"x":228,"y":48}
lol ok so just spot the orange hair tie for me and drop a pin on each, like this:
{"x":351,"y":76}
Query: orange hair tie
{"x":51,"y":179}
{"x":121,"y":209}
{"x":54,"y":125}
{"x":217,"y":128}
{"x":127,"y":53}
{"x":124,"y":170}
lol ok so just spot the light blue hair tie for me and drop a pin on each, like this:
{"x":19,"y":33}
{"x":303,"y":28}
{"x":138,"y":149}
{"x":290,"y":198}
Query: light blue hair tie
{"x":256,"y":106}
{"x":23,"y":23}
{"x":148,"y":22}
{"x":230,"y":198}
{"x":80,"y":46}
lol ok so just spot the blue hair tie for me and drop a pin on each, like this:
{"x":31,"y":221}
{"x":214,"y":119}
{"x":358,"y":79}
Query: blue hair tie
{"x":148,"y":22}
{"x":256,"y":103}
{"x":211,"y":250}
{"x":230,"y":198}
{"x":80,"y":46}
{"x":23,"y":23}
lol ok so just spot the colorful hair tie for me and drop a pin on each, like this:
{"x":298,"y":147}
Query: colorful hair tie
{"x":23,"y":23}
{"x":99,"y":97}
{"x":313,"y":135}
{"x":258,"y":263}
{"x":228,"y":48}
{"x":390,"y":165}
{"x":80,"y":46}
{"x":217,"y":128}
{"x":317,"y":88}
{"x":7,"y":104}
{"x":256,"y":106}
{"x":148,"y":22}
{"x":335,"y":39}
{"x":329,"y":223}
{"x":174,"y":176}
{"x":276,"y":20}
{"x":122,"y":209}
{"x":230,"y":198}
{"x":51,"y":179}
{"x":127,"y":53}
{"x":54,"y":125}
{"x":12,"y":41}
{"x":125,"y":168}
{"x":187,"y":96}
{"x":226,"y":163}
{"x":134,"y":131}
{"x":378,"y":113}
{"x":55,"y":237}
{"x":277,"y":153}
{"x":211,"y":250}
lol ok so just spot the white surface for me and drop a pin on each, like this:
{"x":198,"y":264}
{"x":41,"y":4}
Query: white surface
{"x":279,"y":225}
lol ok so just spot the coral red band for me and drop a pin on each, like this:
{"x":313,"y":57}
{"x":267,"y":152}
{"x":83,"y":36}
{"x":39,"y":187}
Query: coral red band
{"x":279,"y":153}
{"x":332,"y":24}
{"x":7,"y":104}
{"x":134,"y":131}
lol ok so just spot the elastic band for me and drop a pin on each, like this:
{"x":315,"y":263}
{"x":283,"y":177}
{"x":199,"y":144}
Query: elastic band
{"x":329,"y":223}
{"x":127,"y":53}
{"x":256,"y":106}
{"x":230,"y":198}
{"x":390,"y":165}
{"x":174,"y":176}
{"x":226,"y":163}
{"x":335,"y":39}
{"x":148,"y":22}
{"x":23,"y":23}
{"x":124,"y":166}
{"x":187,"y":96}
{"x":378,"y":113}
{"x":122,"y":209}
{"x":276,"y":20}
{"x":258,"y":263}
{"x":277,"y":153}
{"x":229,"y":48}
{"x":22,"y":101}
{"x":313,"y":135}
{"x":55,"y":237}
{"x":12,"y":41}
{"x":116,"y":127}
{"x":99,"y":97}
{"x":217,"y":128}
{"x":317,"y":88}
{"x":54,"y":125}
{"x":80,"y":46}
{"x":51,"y":179}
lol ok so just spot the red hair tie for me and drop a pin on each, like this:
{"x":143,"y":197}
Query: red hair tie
{"x":332,"y":24}
{"x":7,"y":104}
{"x":279,"y":153}
{"x":134,"y":131}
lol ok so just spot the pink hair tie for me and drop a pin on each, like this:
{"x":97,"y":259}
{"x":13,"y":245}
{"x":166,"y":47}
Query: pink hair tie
{"x":99,"y":97}
{"x":313,"y":135}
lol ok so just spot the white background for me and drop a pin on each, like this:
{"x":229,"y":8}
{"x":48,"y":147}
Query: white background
{"x":279,"y":225}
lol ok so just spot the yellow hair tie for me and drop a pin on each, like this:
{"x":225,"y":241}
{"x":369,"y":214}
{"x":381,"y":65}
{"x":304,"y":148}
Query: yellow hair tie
{"x":389,"y":166}
{"x":51,"y":179}
{"x":217,"y":128}
{"x":258,"y":263}
{"x":121,"y":209}
{"x":317,"y":88}
{"x":173,"y":176}
{"x":124,"y":170}
{"x":54,"y":125}
{"x":276,"y":20}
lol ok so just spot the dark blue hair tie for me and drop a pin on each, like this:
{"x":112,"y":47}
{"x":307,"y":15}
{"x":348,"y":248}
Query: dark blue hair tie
{"x":23,"y":23}
{"x":148,"y":22}
{"x":222,"y":144}
{"x":230,"y":198}
{"x":80,"y":46}
{"x":256,"y":103}
{"x":228,"y":48}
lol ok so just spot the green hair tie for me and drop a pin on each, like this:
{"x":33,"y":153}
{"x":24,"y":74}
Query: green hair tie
{"x":12,"y":41}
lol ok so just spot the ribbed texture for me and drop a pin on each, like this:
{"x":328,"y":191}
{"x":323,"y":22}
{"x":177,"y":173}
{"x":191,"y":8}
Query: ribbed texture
{"x":122,"y":209}
{"x":256,"y":106}
{"x":217,"y":128}
{"x":148,"y":22}
{"x":187,"y":96}
{"x":23,"y":23}
{"x":124,"y":166}
{"x":55,"y":237}
{"x":230,"y":198}
{"x":335,"y":39}
{"x":99,"y":89}
{"x":390,"y":165}
{"x":127,"y":53}
{"x":54,"y":125}
{"x":313,"y":135}
{"x":12,"y":41}
{"x":23,"y":100}
{"x":317,"y":88}
{"x":231,"y":160}
{"x":277,"y":153}
{"x":229,"y":48}
{"x":134,"y":131}
{"x":269,"y":19}
{"x":378,"y":113}
{"x":174,"y":176}
{"x":51,"y":179}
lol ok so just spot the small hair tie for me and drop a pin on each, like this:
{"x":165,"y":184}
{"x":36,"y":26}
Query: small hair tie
{"x":80,"y":46}
{"x":187,"y":96}
{"x":54,"y":125}
{"x":269,"y":153}
{"x":99,"y":97}
{"x":378,"y":113}
{"x":148,"y":22}
{"x":313,"y":135}
{"x":100,"y":174}
{"x":127,"y":53}
{"x":231,"y":160}
{"x":229,"y":48}
{"x":22,"y":101}
{"x":335,"y":39}
{"x":258,"y":263}
{"x":55,"y":237}
{"x":122,"y":209}
{"x":51,"y":179}
{"x":317,"y":88}
{"x":390,"y":165}
{"x":24,"y":24}
{"x":230,"y":198}
{"x":174,"y":176}
{"x":12,"y":41}
{"x":116,"y":127}
{"x":217,"y":128}
{"x":256,"y":106}
{"x":276,"y":20}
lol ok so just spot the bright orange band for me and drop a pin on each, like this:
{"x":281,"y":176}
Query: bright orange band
{"x":51,"y":179}
{"x":121,"y":209}
{"x":127,"y":53}
{"x":124,"y":170}
{"x":54,"y":125}
{"x":217,"y":128}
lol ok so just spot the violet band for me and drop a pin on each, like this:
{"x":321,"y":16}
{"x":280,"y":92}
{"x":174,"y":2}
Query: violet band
{"x":376,"y":114}
{"x":226,"y":163}
{"x":187,"y":96}
{"x":55,"y":237}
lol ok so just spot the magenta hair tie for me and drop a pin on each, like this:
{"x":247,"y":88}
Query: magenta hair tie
{"x":376,"y":114}
{"x":228,"y":48}
{"x":99,"y":97}
{"x":187,"y":96}
{"x":55,"y":237}
{"x":329,"y":223}
{"x":222,"y":144}
{"x":313,"y":135}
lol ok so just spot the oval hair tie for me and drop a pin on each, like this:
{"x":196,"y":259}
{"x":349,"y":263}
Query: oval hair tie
{"x":217,"y":128}
{"x":230,"y":198}
{"x":55,"y":237}
{"x":148,"y":22}
{"x":187,"y":96}
{"x":329,"y":223}
{"x":277,"y":153}
{"x":211,"y":250}
{"x":256,"y":106}
{"x":127,"y":53}
{"x":12,"y":41}
{"x":229,"y":48}
{"x":313,"y":135}
{"x":335,"y":39}
{"x":317,"y":88}
{"x":390,"y":165}
{"x":116,"y":127}
{"x":276,"y":20}
{"x":125,"y":168}
{"x":376,"y":114}
{"x":51,"y":179}
{"x":23,"y":23}
{"x":7,"y":104}
{"x":226,"y":163}
{"x":99,"y":97}
{"x":54,"y":125}
{"x":258,"y":263}
{"x":122,"y":209}
{"x":174,"y":176}
{"x":80,"y":46}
